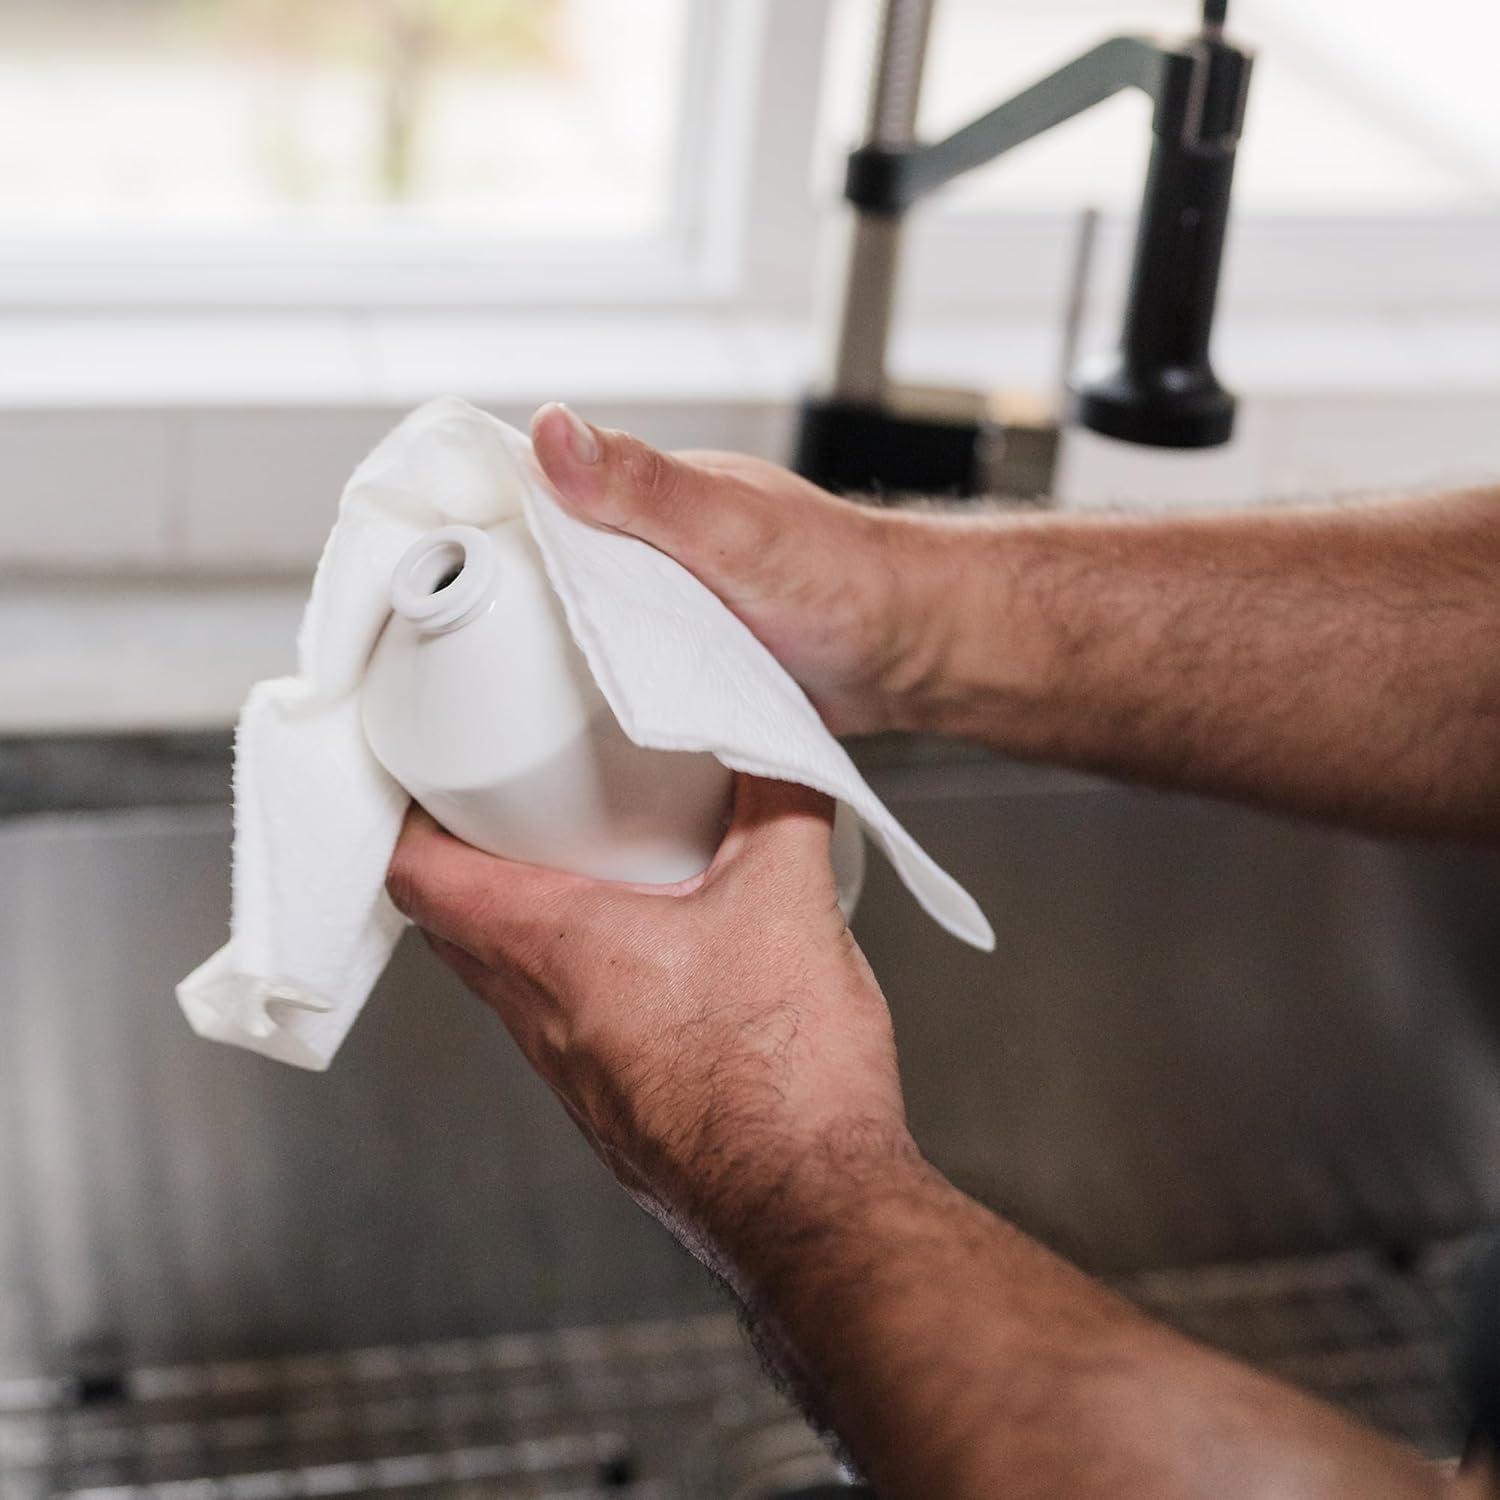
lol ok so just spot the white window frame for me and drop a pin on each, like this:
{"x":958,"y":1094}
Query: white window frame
{"x":747,"y":231}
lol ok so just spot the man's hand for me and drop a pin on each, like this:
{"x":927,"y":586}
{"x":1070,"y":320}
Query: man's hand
{"x":709,"y":1038}
{"x":1338,"y":662}
{"x":837,"y":592}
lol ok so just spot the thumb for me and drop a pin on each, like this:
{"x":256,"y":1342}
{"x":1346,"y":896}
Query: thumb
{"x":714,"y":524}
{"x":776,"y":826}
{"x":485,"y":905}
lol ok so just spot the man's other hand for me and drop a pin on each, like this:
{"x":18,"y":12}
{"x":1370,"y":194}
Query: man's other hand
{"x":712,"y":1038}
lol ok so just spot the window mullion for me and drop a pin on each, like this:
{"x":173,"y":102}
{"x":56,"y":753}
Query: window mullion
{"x":778,"y":219}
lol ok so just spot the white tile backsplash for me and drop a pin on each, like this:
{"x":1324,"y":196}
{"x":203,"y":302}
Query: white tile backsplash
{"x":1289,"y":448}
{"x":85,"y":488}
{"x":105,"y":654}
{"x":251,"y":488}
{"x":1344,"y":444}
{"x":260,"y":489}
{"x":1099,"y":473}
{"x":198,"y":496}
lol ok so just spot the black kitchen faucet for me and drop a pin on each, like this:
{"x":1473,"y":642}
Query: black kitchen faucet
{"x":1158,"y":388}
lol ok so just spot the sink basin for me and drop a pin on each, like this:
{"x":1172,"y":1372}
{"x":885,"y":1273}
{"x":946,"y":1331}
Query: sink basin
{"x":1208,"y":1038}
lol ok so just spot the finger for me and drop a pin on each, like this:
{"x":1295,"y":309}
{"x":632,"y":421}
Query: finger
{"x":484,"y":904}
{"x":712,"y":522}
{"x":775,"y":824}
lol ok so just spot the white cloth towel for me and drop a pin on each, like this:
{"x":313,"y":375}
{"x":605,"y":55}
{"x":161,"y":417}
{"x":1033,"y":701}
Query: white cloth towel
{"x":316,"y":817}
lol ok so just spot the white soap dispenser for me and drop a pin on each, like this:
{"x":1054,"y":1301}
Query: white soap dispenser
{"x":478,"y":701}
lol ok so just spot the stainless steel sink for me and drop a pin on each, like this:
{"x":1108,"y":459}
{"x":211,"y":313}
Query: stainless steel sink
{"x":1210,"y":1044}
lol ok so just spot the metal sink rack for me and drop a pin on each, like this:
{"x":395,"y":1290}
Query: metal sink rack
{"x":652,"y":1409}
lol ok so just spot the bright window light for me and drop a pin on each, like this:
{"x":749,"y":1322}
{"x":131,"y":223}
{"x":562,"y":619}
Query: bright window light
{"x":528,"y":118}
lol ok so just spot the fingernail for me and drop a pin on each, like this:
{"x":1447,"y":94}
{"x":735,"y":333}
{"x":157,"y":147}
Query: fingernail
{"x":583,"y":441}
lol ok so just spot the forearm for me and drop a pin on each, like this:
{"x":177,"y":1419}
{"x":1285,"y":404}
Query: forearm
{"x":1341,"y":662}
{"x":956,"y":1357}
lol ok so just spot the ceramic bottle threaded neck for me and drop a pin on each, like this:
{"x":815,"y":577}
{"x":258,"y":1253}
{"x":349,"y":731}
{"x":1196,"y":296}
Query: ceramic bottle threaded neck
{"x":444,"y":579}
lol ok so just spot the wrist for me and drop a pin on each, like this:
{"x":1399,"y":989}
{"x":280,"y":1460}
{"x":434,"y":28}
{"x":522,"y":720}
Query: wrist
{"x":981,"y":654}
{"x":780,"y":1218}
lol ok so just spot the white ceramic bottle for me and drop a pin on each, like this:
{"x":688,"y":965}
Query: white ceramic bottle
{"x":479,"y":703}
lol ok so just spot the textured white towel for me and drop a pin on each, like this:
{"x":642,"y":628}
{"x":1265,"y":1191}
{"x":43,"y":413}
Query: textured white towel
{"x":316,"y":817}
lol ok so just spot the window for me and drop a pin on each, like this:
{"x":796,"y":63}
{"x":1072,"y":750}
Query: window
{"x":455,"y":153}
{"x":251,"y":144}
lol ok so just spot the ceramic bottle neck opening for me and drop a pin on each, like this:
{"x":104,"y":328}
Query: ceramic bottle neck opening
{"x":445,"y":579}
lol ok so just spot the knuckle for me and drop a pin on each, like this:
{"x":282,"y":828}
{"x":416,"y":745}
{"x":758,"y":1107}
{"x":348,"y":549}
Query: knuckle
{"x":652,"y":475}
